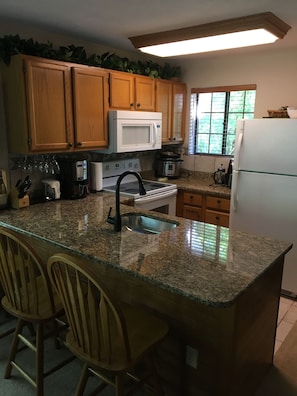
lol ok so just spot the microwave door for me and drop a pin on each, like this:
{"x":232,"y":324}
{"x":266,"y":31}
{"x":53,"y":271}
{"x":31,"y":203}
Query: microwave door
{"x":135,"y":136}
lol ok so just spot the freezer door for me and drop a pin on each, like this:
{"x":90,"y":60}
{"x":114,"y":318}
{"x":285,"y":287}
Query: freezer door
{"x":266,"y":145}
{"x":265,"y":204}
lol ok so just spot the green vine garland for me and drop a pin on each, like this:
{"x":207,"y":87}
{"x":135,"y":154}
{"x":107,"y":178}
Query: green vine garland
{"x":11,"y":45}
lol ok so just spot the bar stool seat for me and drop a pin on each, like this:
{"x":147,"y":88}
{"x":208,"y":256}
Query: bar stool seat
{"x":28,"y":296}
{"x":111,"y":338}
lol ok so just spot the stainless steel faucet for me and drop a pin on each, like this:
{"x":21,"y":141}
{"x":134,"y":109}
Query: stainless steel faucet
{"x":116,"y":220}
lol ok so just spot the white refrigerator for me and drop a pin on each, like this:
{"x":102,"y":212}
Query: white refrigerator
{"x":264,"y":186}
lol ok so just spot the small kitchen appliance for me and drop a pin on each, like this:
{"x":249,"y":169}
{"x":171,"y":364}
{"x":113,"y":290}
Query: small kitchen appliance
{"x":51,"y":189}
{"x":219,"y":175}
{"x":73,"y":178}
{"x":159,"y":197}
{"x":131,"y":131}
{"x":168,"y":164}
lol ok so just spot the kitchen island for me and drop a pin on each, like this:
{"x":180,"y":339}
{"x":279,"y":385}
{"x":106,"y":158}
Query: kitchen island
{"x":219,"y":290}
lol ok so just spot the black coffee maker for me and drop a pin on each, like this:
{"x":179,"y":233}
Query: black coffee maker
{"x":73,"y":178}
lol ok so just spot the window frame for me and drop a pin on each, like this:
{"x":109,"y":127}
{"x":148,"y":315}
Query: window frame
{"x":193,"y":122}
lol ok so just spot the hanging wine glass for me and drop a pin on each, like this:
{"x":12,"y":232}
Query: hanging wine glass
{"x":54,"y":166}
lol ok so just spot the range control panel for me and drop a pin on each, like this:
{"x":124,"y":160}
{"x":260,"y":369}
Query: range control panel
{"x":116,"y":168}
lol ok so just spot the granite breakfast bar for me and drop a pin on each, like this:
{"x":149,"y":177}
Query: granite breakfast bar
{"x":219,"y":290}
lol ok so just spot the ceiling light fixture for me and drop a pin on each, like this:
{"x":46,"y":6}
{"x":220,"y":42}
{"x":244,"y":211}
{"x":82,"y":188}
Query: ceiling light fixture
{"x":240,"y":32}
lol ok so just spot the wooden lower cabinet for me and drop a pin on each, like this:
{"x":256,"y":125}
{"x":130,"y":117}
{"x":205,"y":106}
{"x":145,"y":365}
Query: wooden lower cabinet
{"x":203,"y":207}
{"x":193,"y":206}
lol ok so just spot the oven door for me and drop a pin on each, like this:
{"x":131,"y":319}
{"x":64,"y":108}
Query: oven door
{"x":160,"y":202}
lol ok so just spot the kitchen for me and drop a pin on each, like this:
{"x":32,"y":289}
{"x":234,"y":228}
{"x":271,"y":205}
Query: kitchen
{"x":273,"y":71}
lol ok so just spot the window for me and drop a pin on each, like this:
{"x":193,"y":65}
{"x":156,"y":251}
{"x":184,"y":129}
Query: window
{"x":214,"y":112}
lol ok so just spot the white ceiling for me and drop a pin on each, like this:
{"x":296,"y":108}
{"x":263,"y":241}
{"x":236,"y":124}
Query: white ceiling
{"x":111,"y":22}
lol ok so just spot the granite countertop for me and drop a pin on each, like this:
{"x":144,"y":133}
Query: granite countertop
{"x":206,"y":263}
{"x":201,"y":183}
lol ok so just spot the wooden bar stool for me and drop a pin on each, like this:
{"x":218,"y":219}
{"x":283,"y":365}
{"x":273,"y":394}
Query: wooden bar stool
{"x":110,"y":337}
{"x":28,"y":296}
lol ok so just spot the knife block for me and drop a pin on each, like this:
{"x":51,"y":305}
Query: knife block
{"x":18,"y":203}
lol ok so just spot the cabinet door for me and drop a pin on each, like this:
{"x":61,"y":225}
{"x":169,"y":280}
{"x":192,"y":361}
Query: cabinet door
{"x":121,"y":90}
{"x":179,"y":102}
{"x":193,"y":213}
{"x":218,"y":218}
{"x":90,"y":95}
{"x":193,"y":199}
{"x":49,"y":105}
{"x":164,"y":104}
{"x":144,"y":94}
{"x":221,"y":204}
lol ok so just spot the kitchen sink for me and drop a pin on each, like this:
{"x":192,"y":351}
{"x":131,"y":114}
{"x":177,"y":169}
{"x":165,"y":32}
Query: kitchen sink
{"x":144,"y":224}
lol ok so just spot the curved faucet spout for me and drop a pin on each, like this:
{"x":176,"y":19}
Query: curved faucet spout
{"x":116,"y":220}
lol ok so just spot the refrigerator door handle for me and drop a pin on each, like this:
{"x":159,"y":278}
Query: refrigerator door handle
{"x":234,"y":191}
{"x":237,"y":151}
{"x":238,"y":143}
{"x":235,"y":199}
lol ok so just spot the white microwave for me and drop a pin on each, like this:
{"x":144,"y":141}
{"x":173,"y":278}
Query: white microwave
{"x":131,"y":131}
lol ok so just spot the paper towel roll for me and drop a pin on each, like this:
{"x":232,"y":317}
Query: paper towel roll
{"x":96,"y":176}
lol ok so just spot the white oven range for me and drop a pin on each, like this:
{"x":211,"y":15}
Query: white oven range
{"x":160,"y":197}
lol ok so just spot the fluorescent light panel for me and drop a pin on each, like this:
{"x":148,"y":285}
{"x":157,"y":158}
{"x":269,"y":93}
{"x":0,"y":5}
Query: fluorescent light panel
{"x":233,"y":33}
{"x":213,"y":43}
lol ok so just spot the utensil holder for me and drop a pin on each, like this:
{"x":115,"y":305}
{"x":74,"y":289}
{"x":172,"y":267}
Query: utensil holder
{"x":18,"y":203}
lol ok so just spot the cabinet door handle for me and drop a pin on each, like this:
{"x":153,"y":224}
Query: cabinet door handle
{"x":79,"y":144}
{"x":138,"y":105}
{"x":69,"y":144}
{"x":131,"y":104}
{"x":218,"y":201}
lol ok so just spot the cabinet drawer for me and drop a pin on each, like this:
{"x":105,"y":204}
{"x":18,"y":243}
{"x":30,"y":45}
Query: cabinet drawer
{"x":218,"y":218}
{"x":218,"y":203}
{"x":192,"y":213}
{"x":193,"y":199}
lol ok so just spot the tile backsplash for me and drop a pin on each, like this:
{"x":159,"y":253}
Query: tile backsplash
{"x":204,"y":163}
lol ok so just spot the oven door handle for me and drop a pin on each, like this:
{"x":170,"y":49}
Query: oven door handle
{"x":155,"y":197}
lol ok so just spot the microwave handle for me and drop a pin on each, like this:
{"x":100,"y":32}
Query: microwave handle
{"x":154,"y":140}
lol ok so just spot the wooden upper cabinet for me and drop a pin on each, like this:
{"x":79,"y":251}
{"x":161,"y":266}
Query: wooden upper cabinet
{"x":49,"y":105}
{"x":90,"y":97}
{"x":121,"y":91}
{"x":164,"y":104}
{"x":130,"y":92}
{"x":144,"y":93}
{"x":54,"y":106}
{"x":38,"y":105}
{"x":179,"y":108}
{"x":170,"y":100}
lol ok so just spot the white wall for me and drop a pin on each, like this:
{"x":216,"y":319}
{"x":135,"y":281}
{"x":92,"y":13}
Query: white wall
{"x":41,"y":35}
{"x":274,"y":73}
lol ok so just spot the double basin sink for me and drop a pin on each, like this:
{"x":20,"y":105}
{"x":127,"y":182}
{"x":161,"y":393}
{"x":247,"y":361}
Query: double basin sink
{"x":145,"y":224}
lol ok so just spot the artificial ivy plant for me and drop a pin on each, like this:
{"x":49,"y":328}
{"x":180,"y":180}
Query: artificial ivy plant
{"x":11,"y":45}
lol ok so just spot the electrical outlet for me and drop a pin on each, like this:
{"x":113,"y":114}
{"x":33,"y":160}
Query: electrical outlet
{"x":191,"y":356}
